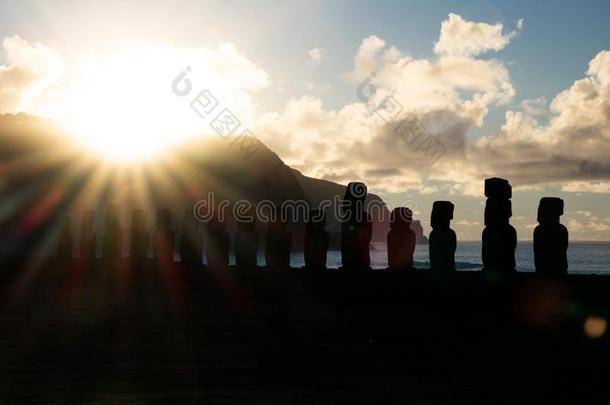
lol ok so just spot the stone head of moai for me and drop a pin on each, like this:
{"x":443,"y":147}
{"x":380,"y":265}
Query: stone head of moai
{"x":549,"y":210}
{"x":316,"y":221}
{"x":498,"y":209}
{"x":164,"y":218}
{"x":401,"y":218}
{"x":442,"y":214}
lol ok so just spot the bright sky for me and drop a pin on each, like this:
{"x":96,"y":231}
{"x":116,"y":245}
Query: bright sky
{"x":518,"y":89}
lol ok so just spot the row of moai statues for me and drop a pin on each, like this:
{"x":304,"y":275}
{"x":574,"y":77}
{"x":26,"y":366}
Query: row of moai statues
{"x":499,"y":239}
{"x":498,"y":247}
{"x":114,"y":236}
{"x":356,"y":233}
{"x":277,"y":253}
{"x":278,"y":244}
{"x":278,"y":239}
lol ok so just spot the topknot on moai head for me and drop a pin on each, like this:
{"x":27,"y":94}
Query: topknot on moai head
{"x":497,"y":211}
{"x":550,"y":209}
{"x":401,"y":218}
{"x":355,"y":191}
{"x":164,"y":218}
{"x":442,"y":213}
{"x":316,"y":221}
{"x":496,"y":187}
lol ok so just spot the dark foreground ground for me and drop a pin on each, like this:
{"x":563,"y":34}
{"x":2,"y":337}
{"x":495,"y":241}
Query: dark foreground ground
{"x":99,"y":333}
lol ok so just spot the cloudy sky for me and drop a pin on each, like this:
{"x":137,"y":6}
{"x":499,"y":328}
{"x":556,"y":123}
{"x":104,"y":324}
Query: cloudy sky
{"x":513,"y":89}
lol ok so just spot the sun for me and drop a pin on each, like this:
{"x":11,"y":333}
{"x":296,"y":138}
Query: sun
{"x":120,"y":104}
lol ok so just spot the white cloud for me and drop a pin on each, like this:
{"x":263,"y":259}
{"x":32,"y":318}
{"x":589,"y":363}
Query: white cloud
{"x":464,"y":222}
{"x":599,"y":67}
{"x":30,"y":69}
{"x":534,"y":107}
{"x":448,"y":95}
{"x":317,"y":88}
{"x":369,"y":53}
{"x":572,"y":150}
{"x":451,"y":94}
{"x":585,"y":229}
{"x":599,"y":227}
{"x":314,"y":56}
{"x":575,"y":226}
{"x":467,"y":38}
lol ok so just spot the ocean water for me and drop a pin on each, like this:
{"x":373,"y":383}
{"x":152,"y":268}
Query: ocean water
{"x":583,"y":257}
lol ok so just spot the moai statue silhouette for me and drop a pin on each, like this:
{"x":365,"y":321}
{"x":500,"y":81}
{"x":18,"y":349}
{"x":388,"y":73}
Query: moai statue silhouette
{"x":499,"y":237}
{"x":356,"y":229}
{"x":112,"y":242}
{"x":218,"y":244}
{"x":191,"y":243}
{"x":164,"y":237}
{"x":246,"y":244}
{"x":278,"y":243}
{"x":316,"y":241}
{"x":550,"y":238}
{"x":65,"y":240}
{"x":87,"y":248}
{"x":401,"y":240}
{"x":442,"y":240}
{"x":139,"y":236}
